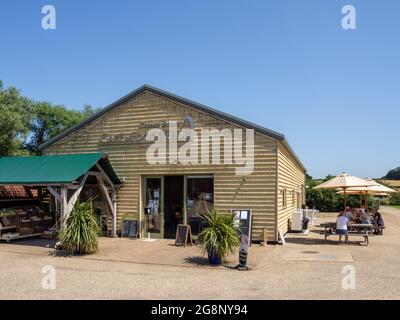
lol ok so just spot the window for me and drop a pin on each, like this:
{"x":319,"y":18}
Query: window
{"x":153,"y":204}
{"x":299,"y":200}
{"x":293,"y":198}
{"x":199,"y":199}
{"x":284,"y":198}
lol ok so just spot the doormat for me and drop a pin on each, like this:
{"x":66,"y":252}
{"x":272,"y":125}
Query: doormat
{"x":318,"y":256}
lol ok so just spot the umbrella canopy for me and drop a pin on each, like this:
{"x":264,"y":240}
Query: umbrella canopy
{"x":376,"y":189}
{"x":372,"y":189}
{"x":345,"y":181}
{"x":340,"y":191}
{"x":363,"y":192}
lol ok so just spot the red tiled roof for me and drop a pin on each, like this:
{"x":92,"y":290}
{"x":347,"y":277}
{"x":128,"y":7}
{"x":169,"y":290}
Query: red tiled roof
{"x":17,"y":192}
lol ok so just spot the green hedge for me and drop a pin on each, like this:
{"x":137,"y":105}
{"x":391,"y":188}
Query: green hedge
{"x":329,"y":201}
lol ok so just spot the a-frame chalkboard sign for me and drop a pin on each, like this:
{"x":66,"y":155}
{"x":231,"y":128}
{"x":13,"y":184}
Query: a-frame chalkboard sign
{"x":129,"y":228}
{"x":183,"y":235}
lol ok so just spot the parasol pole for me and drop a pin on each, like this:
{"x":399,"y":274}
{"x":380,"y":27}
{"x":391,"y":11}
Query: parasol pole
{"x":345,"y":197}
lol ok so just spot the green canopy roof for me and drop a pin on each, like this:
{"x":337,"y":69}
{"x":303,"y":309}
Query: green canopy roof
{"x":54,"y":169}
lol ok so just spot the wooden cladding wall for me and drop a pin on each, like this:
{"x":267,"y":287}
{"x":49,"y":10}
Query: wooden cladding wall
{"x":291,"y":181}
{"x":256,"y":191}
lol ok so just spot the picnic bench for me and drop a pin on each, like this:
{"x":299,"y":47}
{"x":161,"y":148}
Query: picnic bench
{"x":354,"y":230}
{"x":379,"y":229}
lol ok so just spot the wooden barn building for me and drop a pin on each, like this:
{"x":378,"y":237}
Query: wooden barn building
{"x":160,"y":195}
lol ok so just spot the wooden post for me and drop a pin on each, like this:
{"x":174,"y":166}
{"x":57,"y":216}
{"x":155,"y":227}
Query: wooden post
{"x":114,"y":212}
{"x":265,"y":236}
{"x":281,"y":237}
{"x":185,"y":213}
{"x":63,"y":205}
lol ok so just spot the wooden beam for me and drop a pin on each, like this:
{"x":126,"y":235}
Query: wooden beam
{"x":96,"y":185}
{"x":74,"y":197}
{"x":63,"y":206}
{"x":94,"y":173}
{"x":109,"y":202}
{"x":105,"y":194}
{"x":54,"y":193}
{"x":105,"y":175}
{"x":73,"y":186}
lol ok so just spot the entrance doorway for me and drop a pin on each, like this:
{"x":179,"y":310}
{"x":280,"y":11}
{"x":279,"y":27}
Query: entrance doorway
{"x":175,"y":199}
{"x":173,"y":204}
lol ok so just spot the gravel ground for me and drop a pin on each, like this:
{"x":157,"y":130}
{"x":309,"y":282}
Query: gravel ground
{"x":377,"y":268}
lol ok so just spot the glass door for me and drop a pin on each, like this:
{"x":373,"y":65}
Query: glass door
{"x":154,"y":207}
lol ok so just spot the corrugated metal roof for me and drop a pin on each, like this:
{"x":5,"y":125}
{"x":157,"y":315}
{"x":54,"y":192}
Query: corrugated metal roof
{"x":195,"y":105}
{"x":54,"y":169}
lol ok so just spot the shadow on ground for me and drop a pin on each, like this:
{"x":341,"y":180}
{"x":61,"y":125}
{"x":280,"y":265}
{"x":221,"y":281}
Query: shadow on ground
{"x":34,"y":242}
{"x":311,"y":241}
{"x":197,"y":260}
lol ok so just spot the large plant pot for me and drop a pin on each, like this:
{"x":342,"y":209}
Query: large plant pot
{"x":213,"y":258}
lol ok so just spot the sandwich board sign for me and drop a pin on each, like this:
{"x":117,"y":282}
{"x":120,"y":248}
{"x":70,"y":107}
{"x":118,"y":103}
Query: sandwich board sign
{"x":129,"y":228}
{"x":183,"y":235}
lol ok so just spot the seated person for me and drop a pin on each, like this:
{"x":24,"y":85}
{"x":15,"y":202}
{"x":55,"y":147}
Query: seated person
{"x":377,"y":219}
{"x":341,"y":226}
{"x":365,"y":218}
{"x":348,"y":213}
{"x":356,"y":216}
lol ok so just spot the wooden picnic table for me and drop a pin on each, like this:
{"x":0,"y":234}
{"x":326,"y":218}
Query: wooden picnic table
{"x":354,"y":229}
{"x":361,"y":227}
{"x":329,"y":227}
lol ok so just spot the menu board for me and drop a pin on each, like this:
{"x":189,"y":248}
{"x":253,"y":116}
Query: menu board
{"x":183,"y":235}
{"x":244,"y":218}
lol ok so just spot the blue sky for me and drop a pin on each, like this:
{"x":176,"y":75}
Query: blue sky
{"x":286,"y":65}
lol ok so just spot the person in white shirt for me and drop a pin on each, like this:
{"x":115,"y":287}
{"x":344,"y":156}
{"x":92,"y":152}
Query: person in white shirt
{"x":341,"y":226}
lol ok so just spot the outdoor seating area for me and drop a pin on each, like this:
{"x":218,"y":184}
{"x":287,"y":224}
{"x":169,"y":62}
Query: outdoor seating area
{"x":357,"y":222}
{"x":362,"y":222}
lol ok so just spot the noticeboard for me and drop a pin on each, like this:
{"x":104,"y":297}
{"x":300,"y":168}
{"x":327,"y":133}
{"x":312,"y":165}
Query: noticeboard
{"x":244,"y":216}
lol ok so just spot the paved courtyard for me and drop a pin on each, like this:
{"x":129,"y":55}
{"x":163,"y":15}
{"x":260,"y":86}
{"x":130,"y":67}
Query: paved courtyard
{"x":307,"y":267}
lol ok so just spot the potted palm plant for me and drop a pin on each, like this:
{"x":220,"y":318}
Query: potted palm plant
{"x":82,"y":230}
{"x":220,"y":237}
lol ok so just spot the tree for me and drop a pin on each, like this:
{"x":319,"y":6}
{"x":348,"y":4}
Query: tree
{"x":328,"y":177}
{"x":25,"y":125}
{"x":395,"y":199}
{"x":310,"y":182}
{"x":393,"y":174}
{"x":51,"y":120}
{"x":15,"y":117}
